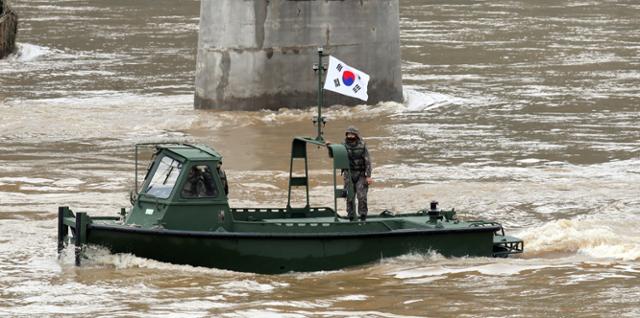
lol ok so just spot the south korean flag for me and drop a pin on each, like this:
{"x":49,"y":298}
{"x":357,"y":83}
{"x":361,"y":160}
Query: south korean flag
{"x":346,"y":80}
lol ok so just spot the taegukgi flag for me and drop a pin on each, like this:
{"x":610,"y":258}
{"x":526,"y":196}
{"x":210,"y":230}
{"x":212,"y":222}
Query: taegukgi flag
{"x":346,"y":80}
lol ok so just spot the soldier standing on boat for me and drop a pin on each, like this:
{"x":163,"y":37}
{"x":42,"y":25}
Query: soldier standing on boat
{"x":360,"y":165}
{"x":223,"y":178}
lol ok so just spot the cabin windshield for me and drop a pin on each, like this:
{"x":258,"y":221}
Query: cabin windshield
{"x":164,"y":179}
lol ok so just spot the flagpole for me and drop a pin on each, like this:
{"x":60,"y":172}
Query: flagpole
{"x":320,"y":121}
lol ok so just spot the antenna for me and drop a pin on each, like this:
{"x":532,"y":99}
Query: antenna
{"x":319,"y":120}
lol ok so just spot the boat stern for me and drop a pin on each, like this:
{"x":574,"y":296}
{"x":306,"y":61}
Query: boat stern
{"x":505,"y":245}
{"x":78,"y":224}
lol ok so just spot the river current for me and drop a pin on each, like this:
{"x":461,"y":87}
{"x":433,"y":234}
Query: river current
{"x":523,"y":112}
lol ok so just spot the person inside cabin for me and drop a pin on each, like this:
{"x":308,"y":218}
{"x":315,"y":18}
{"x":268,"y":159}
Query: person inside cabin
{"x":195,"y":185}
{"x":200,"y":183}
{"x":223,"y":178}
{"x":209,"y":185}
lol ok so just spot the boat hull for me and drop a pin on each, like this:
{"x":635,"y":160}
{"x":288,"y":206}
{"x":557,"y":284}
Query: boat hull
{"x":279,"y":253}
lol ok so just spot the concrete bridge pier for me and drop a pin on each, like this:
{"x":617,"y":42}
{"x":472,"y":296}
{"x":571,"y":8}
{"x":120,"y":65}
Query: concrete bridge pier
{"x":257,"y":54}
{"x":8,"y":29}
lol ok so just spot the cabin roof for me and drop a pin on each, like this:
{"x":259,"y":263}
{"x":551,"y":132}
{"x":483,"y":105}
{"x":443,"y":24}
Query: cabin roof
{"x":194,"y":152}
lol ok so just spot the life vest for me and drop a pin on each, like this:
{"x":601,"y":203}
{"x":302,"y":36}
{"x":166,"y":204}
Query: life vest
{"x":356,"y":156}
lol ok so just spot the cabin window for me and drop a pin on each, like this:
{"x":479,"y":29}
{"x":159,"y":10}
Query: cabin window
{"x":200,"y":183}
{"x":164,"y":179}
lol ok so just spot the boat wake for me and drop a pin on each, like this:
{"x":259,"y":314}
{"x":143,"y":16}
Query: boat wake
{"x":98,"y":256}
{"x":594,"y":236}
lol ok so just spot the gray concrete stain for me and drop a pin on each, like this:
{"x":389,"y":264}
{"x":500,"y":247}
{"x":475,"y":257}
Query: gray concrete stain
{"x":260,"y":11}
{"x":225,"y":66}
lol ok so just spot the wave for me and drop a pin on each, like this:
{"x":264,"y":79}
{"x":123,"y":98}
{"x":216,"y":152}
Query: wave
{"x":96,"y":113}
{"x":99,"y":256}
{"x":122,"y":116}
{"x":595,"y":236}
{"x":415,"y":100}
{"x":26,"y":52}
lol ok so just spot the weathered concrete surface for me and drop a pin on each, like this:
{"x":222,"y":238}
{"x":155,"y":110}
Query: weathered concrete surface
{"x":257,"y":54}
{"x":8,"y":29}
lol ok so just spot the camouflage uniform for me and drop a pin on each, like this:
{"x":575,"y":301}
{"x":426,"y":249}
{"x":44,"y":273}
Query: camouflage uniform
{"x":223,"y":178}
{"x":360,"y":165}
{"x":195,"y":185}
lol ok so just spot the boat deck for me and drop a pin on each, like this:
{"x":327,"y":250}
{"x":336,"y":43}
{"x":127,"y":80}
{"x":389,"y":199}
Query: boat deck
{"x":325,"y":224}
{"x":275,"y":221}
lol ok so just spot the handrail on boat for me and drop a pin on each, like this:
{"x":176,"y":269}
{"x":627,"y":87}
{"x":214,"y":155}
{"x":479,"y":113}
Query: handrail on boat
{"x":340,"y":159}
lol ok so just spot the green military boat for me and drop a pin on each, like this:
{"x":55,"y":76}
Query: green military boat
{"x":180,"y":214}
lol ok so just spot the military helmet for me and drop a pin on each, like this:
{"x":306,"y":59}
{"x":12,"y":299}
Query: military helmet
{"x":353,"y":130}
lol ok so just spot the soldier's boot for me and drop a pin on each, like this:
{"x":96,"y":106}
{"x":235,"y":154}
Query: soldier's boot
{"x":351,"y":211}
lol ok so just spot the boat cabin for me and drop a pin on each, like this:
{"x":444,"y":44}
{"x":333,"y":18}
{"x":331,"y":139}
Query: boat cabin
{"x":184,"y":189}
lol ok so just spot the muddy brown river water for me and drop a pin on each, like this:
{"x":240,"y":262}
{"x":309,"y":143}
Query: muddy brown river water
{"x":525,"y":112}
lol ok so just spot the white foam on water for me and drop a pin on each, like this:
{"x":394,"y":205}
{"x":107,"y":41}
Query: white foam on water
{"x":623,"y":171}
{"x":27,"y":52}
{"x":299,"y":304}
{"x":441,"y":77}
{"x":285,"y":115}
{"x":353,"y":298}
{"x":592,"y":57}
{"x":89,"y":201}
{"x":257,"y":185}
{"x":90,"y":72}
{"x":305,"y":275}
{"x":121,"y":116}
{"x":599,"y":236}
{"x":360,"y":313}
{"x":169,"y":28}
{"x":262,"y":313}
{"x":15,"y":180}
{"x":425,"y":273}
{"x":46,"y":188}
{"x":192,"y":306}
{"x":531,"y":160}
{"x":68,"y":182}
{"x":593,"y":277}
{"x":417,"y":101}
{"x":41,"y":297}
{"x":252,"y":286}
{"x":101,"y":257}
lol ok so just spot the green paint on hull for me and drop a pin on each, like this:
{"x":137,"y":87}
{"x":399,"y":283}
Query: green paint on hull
{"x":278,"y":253}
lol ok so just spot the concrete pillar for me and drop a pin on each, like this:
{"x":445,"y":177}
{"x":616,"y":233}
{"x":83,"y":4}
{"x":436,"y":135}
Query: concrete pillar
{"x":8,"y":29}
{"x":258,"y":54}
